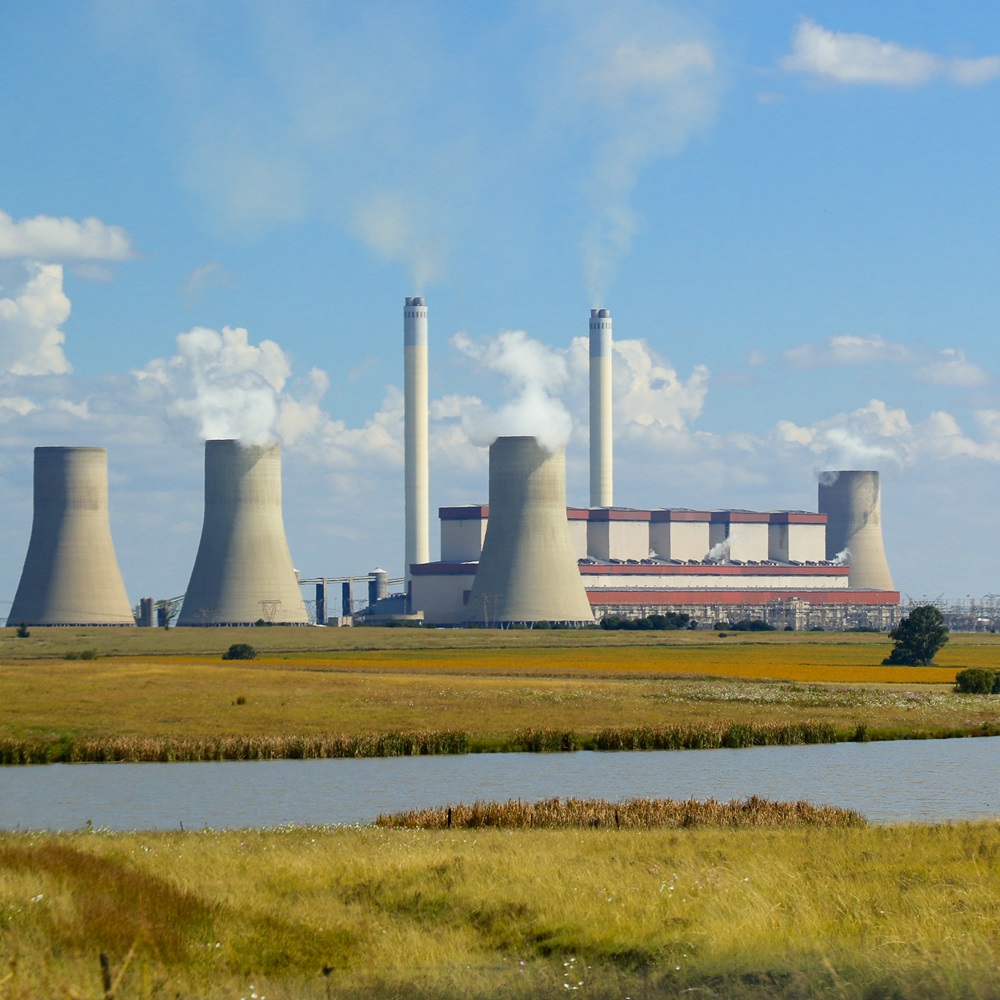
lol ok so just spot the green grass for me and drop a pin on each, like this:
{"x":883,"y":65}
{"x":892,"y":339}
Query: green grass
{"x":895,"y":912}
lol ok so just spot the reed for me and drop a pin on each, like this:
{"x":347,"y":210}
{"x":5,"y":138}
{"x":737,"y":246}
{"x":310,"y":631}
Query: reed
{"x":134,"y":749}
{"x":68,"y":749}
{"x":630,"y":814}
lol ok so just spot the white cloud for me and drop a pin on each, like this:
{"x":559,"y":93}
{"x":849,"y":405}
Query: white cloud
{"x":31,"y":341}
{"x":876,"y":435}
{"x":947,"y":367}
{"x":848,"y":349}
{"x":201,"y":279}
{"x":47,"y":238}
{"x":854,"y":58}
{"x":951,"y":368}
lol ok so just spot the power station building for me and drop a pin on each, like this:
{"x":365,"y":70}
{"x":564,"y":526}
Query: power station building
{"x":824,"y":569}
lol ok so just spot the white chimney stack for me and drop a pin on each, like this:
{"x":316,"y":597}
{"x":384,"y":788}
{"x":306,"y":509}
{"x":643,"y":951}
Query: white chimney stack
{"x":415,"y":434}
{"x":601,"y":475}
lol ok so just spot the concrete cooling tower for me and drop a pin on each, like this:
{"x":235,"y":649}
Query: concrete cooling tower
{"x":527,"y":571}
{"x":243,"y":571}
{"x":70,"y":574}
{"x":852,"y":502}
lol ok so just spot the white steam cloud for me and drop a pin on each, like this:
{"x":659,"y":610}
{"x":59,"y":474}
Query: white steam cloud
{"x":534,"y":373}
{"x":229,"y":388}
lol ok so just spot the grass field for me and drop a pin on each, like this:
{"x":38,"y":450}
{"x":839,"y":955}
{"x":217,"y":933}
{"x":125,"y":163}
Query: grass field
{"x":855,"y":914}
{"x":488,"y":685}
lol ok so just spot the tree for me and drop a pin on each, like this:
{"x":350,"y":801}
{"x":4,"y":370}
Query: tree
{"x":918,"y":637}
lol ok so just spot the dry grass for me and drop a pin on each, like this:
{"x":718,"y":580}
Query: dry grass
{"x":594,"y":682}
{"x":631,"y":814}
{"x":900,"y":912}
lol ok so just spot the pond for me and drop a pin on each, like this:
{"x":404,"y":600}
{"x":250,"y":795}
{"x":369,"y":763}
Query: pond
{"x":920,"y":780}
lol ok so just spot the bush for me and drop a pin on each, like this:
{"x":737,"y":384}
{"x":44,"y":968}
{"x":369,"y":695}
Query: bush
{"x":669,"y":621}
{"x":22,"y":631}
{"x":240,"y":651}
{"x":752,"y":625}
{"x":978,"y":680}
{"x":84,"y":654}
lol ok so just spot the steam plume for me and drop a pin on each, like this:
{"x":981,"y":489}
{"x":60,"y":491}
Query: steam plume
{"x":534,"y":373}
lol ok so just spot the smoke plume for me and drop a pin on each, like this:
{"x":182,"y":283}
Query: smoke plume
{"x":533,"y":373}
{"x":224,"y":385}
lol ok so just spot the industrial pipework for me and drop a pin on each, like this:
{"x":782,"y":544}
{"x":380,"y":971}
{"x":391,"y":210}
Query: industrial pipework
{"x":243,"y":571}
{"x":527,"y":571}
{"x":601,"y":473}
{"x":71,"y":574}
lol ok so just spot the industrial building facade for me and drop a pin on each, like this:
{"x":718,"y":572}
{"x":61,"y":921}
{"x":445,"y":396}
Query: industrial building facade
{"x":717,"y":566}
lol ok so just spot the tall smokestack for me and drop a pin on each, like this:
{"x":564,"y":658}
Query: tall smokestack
{"x":852,"y":502}
{"x":601,"y":474}
{"x":527,"y":571}
{"x":71,"y":574}
{"x":243,"y":571}
{"x":415,"y":434}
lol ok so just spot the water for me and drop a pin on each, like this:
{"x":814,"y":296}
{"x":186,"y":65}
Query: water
{"x":927,"y":781}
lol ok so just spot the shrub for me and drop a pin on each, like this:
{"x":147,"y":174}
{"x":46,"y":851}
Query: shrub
{"x":22,"y":631}
{"x":978,"y":680}
{"x":752,"y":625}
{"x":84,"y":654}
{"x":240,"y":651}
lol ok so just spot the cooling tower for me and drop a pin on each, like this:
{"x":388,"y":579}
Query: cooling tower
{"x":601,"y":481}
{"x":852,"y":502}
{"x":415,"y":434}
{"x":70,"y":574}
{"x":243,"y":571}
{"x":527,"y":571}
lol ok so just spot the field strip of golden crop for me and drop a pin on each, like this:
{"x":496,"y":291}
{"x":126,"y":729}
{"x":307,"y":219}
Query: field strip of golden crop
{"x":844,"y":664}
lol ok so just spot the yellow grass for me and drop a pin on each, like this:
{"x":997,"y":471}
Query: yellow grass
{"x":591,"y":682}
{"x":904,"y":912}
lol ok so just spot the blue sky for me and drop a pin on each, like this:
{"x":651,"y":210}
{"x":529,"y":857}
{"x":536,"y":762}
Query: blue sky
{"x":792,"y":213}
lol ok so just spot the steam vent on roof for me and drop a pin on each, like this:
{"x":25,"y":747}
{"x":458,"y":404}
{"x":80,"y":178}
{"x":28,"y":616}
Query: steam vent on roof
{"x":527,"y":571}
{"x":243,"y":571}
{"x":71,"y":574}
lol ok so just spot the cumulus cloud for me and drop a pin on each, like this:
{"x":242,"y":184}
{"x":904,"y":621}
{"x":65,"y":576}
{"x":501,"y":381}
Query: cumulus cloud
{"x":875,"y":435}
{"x":855,"y":58}
{"x":46,"y":238}
{"x":648,"y":394}
{"x":31,"y":338}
